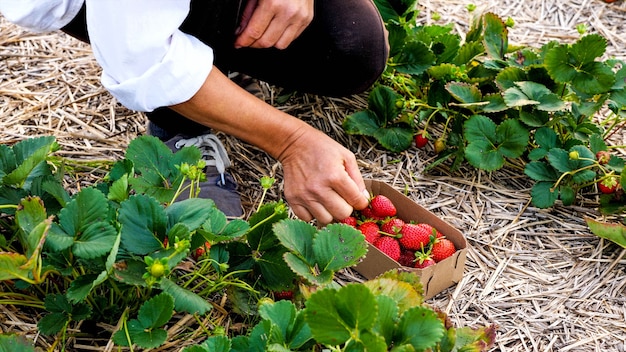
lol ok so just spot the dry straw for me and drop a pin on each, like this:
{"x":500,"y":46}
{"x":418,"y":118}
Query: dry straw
{"x":540,"y":275}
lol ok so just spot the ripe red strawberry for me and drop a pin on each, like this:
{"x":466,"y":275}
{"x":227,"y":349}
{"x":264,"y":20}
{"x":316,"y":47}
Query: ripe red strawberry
{"x":421,"y":139}
{"x":389,"y":246}
{"x":283,"y":295}
{"x":370,"y":230}
{"x":350,"y":220}
{"x":422,"y":263}
{"x":392,"y":226}
{"x":407,"y":258}
{"x":442,"y":249}
{"x":368,"y":214}
{"x":414,"y":236}
{"x":200,"y":251}
{"x":608,"y":185}
{"x":431,"y":229}
{"x":382,"y":206}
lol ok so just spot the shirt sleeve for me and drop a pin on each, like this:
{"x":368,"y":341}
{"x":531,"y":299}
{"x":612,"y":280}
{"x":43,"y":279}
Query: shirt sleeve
{"x":40,"y":15}
{"x":147,"y":62}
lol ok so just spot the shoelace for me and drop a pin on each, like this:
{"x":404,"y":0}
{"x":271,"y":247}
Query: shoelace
{"x":213,"y":152}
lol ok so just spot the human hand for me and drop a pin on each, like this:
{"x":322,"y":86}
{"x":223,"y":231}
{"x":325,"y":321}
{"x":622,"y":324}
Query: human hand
{"x":273,"y":23}
{"x":322,"y":179}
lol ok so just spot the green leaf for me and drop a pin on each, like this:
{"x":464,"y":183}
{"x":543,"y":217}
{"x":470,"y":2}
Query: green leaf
{"x":512,"y":138}
{"x":156,"y":311}
{"x":335,"y":316}
{"x":185,"y":300}
{"x":12,"y":266}
{"x":532,"y":93}
{"x":382,"y":101}
{"x":364,"y":123}
{"x":387,"y":316}
{"x":414,"y":59}
{"x":30,"y":214}
{"x":395,"y":138}
{"x":297,"y":236}
{"x":560,"y":160}
{"x":14,"y":342}
{"x":421,"y":327}
{"x":289,"y":323}
{"x":542,"y":194}
{"x":96,"y":241}
{"x":119,"y":190}
{"x":52,"y":323}
{"x":507,"y":78}
{"x":496,"y":36}
{"x":338,"y":246}
{"x":274,"y":272}
{"x":141,"y":217}
{"x":464,"y":92}
{"x":588,"y":48}
{"x":217,"y":344}
{"x":614,"y":232}
{"x":540,"y":171}
{"x":489,"y":144}
{"x":26,"y":156}
{"x":192,"y":212}
{"x":576,"y":64}
{"x":468,"y":51}
{"x":145,"y":338}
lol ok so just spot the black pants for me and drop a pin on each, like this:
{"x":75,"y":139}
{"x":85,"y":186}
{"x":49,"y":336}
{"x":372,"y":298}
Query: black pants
{"x":342,"y":52}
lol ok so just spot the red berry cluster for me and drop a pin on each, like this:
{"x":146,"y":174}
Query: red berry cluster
{"x":416,"y":245}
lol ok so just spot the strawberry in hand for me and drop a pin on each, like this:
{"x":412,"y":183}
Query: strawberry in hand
{"x":382,"y":206}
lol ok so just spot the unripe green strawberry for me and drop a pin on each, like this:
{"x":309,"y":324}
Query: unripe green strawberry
{"x":442,"y":249}
{"x":370,"y":230}
{"x":389,"y":246}
{"x":382,"y":206}
{"x":392,"y":226}
{"x":414,"y":237}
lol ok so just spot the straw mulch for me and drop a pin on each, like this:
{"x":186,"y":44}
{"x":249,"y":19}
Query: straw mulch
{"x":540,"y":275}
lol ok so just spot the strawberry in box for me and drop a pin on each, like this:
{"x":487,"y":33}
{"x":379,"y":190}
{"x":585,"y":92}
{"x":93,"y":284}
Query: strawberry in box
{"x":431,"y":247}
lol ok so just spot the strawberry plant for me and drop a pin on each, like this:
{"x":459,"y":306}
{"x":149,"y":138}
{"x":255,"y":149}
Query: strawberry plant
{"x":485,"y":102}
{"x":379,"y":314}
{"x":121,"y":252}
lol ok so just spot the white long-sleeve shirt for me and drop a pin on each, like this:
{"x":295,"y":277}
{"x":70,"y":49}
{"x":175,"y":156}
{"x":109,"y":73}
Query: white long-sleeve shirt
{"x":147,"y":62}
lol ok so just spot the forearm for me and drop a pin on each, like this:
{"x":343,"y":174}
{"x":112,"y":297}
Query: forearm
{"x":222,"y":105}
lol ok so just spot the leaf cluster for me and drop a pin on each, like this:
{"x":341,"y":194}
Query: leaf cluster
{"x":382,"y":314}
{"x":487,"y":102}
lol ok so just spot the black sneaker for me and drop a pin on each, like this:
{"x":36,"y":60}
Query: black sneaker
{"x":219,"y":185}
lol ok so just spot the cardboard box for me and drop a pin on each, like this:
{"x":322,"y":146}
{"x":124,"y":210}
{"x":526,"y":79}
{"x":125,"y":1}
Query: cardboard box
{"x":435,"y":278}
